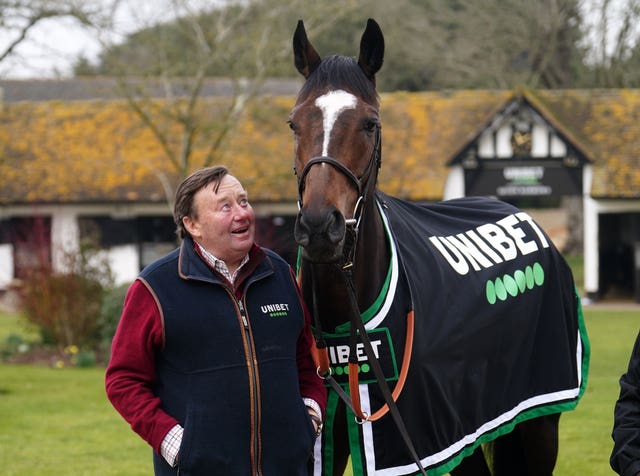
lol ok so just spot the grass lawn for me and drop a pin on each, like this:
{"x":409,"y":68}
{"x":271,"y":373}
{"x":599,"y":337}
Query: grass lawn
{"x":58,"y":421}
{"x":585,"y":433}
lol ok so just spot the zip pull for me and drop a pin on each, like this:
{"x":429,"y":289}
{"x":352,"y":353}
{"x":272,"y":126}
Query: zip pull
{"x":243,"y":314}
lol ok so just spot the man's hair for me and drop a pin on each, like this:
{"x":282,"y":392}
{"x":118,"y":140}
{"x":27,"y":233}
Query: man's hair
{"x":183,"y":206}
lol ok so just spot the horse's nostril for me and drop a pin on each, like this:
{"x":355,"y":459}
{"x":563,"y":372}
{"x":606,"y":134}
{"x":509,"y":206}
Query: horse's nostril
{"x":301,"y":231}
{"x":335,"y":227}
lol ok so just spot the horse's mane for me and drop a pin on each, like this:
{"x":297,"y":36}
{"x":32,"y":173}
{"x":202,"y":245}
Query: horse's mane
{"x":340,"y":72}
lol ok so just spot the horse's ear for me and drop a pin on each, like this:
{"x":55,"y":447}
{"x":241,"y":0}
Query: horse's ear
{"x":305,"y":56}
{"x":371,"y":49}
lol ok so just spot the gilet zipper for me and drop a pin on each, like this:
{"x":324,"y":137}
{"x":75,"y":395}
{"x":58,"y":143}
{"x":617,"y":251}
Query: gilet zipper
{"x":253,"y":391}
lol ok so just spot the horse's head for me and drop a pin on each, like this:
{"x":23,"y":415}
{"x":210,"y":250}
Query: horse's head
{"x":337,"y":141}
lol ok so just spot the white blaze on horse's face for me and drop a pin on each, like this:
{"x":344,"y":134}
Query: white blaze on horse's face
{"x":332,"y":104}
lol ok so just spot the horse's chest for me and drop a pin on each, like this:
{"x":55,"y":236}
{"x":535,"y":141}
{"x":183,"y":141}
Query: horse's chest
{"x":386,"y":324}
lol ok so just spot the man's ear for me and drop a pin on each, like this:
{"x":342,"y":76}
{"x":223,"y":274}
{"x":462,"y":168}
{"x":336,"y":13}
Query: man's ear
{"x":191,"y":226}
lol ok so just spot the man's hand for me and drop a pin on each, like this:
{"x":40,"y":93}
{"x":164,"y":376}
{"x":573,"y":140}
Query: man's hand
{"x":317,"y":421}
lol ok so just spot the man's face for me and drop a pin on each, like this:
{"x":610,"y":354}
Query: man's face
{"x":223,"y":222}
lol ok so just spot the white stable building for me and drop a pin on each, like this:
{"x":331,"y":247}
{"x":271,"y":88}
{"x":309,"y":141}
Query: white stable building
{"x":73,"y":168}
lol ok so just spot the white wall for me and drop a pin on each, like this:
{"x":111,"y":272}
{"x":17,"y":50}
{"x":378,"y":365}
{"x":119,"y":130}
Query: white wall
{"x":454,"y":186}
{"x":6,"y":265}
{"x":65,"y":236}
{"x":123,"y":262}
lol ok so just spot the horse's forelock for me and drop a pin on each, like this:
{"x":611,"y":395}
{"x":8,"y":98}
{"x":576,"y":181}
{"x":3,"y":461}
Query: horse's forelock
{"x":339,"y":72}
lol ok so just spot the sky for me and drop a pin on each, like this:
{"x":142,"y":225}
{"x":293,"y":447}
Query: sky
{"x":54,"y":45}
{"x":50,"y":51}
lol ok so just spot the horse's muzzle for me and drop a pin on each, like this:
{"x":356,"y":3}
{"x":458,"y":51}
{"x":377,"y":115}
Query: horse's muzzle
{"x":321,"y":235}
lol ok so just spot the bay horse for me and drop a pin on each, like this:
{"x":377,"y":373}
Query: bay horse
{"x":450,"y":333}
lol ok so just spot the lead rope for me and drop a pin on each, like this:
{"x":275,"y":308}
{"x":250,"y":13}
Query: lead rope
{"x":356,"y":322}
{"x":324,"y":372}
{"x":357,"y":327}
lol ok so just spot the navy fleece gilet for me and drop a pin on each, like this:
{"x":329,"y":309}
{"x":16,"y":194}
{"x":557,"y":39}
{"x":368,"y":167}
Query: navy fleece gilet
{"x":233,"y":389}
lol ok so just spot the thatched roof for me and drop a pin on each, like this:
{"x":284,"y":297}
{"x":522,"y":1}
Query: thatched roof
{"x":99,"y":150}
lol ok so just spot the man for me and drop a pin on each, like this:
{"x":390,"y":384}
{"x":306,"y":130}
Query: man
{"x":211,"y":362}
{"x":625,"y":457}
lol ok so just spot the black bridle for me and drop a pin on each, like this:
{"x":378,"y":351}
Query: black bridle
{"x":363,"y":183}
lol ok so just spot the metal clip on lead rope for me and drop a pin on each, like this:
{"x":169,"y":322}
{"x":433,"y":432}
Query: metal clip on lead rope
{"x":362,"y":421}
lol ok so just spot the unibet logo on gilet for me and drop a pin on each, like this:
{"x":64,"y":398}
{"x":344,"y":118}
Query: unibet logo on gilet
{"x":275,"y":310}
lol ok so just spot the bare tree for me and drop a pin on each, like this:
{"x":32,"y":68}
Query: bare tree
{"x":614,"y":34}
{"x":168,"y":96}
{"x":19,"y":19}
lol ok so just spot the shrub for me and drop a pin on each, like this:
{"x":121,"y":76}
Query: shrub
{"x":66,"y":306}
{"x":13,"y":344}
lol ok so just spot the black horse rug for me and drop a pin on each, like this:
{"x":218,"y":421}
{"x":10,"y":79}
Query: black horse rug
{"x":498,"y":337}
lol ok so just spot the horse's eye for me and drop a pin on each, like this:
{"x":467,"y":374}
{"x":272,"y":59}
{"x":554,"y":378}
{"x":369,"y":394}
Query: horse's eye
{"x":292,"y":126}
{"x":370,"y":125}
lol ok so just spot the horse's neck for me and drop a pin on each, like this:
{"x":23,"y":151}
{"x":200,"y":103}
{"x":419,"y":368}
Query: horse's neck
{"x":324,"y":287}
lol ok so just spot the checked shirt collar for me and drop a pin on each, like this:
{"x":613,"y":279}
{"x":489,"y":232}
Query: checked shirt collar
{"x":220,"y":265}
